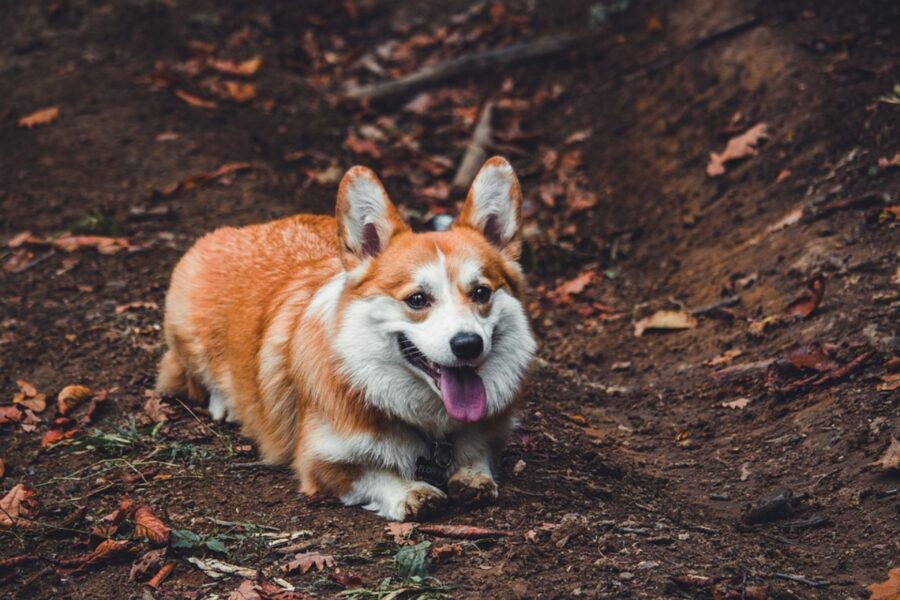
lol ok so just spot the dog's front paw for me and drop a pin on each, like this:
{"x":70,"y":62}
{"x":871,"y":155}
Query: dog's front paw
{"x":422,"y":501}
{"x":472,"y":487}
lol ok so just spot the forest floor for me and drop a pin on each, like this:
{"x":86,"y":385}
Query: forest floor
{"x":744,"y":453}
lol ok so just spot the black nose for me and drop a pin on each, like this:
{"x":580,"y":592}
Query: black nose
{"x":466,"y":346}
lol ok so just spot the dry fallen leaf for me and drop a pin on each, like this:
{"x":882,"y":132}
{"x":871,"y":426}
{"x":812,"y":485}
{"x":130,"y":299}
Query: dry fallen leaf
{"x":307,"y":560}
{"x":156,"y":409}
{"x":199,"y":179}
{"x":10,"y":414}
{"x":246,"y":68}
{"x":70,"y":396}
{"x":888,"y":589}
{"x":738,"y":147}
{"x":239,"y":91}
{"x":195,"y":100}
{"x":105,"y":550}
{"x":148,"y":525}
{"x":665,"y":319}
{"x":445,"y":551}
{"x":890,"y":382}
{"x":811,"y":356}
{"x":44,"y":116}
{"x":462,"y":531}
{"x":725,"y":358}
{"x":359,"y":145}
{"x":52,"y":436}
{"x":885,"y":162}
{"x":891,"y":457}
{"x":102,"y":244}
{"x":738,"y":404}
{"x":15,"y":505}
{"x":136,"y":305}
{"x":147,"y":562}
{"x":804,"y":305}
{"x":400,"y":532}
{"x":29,"y":397}
{"x":573,"y":287}
{"x":30,"y":421}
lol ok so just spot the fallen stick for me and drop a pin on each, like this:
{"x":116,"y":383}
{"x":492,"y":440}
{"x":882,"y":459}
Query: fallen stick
{"x":476,"y":152}
{"x":802,"y":579}
{"x":714,"y":306}
{"x":467,"y":64}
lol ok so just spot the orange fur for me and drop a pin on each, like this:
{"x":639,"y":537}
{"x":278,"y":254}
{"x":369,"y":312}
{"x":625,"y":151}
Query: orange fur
{"x":238,"y":291}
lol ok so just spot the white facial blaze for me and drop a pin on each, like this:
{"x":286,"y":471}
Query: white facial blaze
{"x":368,"y":343}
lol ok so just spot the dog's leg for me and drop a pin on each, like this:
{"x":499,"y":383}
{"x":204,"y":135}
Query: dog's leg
{"x":472,"y":482}
{"x":393,"y":497}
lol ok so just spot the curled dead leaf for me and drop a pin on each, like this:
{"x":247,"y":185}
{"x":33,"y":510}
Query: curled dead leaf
{"x":44,"y":116}
{"x":665,"y":320}
{"x":444,"y":552}
{"x":70,"y":397}
{"x":245,"y":68}
{"x":195,"y":100}
{"x":156,"y":409}
{"x":401,"y":532}
{"x":148,"y":525}
{"x":740,"y":146}
{"x":805,"y":304}
{"x":146,"y":563}
{"x":890,"y":459}
{"x":17,"y":504}
{"x":240,"y":91}
{"x":105,"y":551}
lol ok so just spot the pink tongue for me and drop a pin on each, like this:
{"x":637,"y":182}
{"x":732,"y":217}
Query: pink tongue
{"x":462,"y":391}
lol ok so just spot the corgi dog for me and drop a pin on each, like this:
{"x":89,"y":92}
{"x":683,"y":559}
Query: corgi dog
{"x":386,"y":366}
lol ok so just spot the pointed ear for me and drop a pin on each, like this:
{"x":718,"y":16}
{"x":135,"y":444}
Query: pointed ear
{"x":494,"y":206}
{"x":366,"y":217}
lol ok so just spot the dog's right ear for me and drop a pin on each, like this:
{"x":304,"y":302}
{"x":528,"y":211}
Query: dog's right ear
{"x":366,"y":217}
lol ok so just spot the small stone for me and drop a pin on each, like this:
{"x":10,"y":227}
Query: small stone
{"x":626,"y":575}
{"x":684,"y":536}
{"x":646,"y":565}
{"x":519,"y":467}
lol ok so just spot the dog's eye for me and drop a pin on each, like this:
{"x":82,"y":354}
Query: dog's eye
{"x":481,"y":294}
{"x":417,"y":301}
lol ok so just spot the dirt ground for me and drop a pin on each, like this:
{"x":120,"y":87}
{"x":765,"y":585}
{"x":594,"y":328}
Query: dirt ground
{"x":643,"y":464}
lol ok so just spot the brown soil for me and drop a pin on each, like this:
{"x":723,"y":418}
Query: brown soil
{"x":633,"y":474}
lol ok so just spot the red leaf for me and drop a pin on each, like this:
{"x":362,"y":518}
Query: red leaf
{"x":804,"y":305}
{"x":148,"y":525}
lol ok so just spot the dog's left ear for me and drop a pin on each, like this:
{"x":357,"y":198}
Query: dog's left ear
{"x":494,"y":206}
{"x":366,"y":217}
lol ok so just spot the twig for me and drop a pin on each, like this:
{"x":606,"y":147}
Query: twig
{"x":464,"y":65}
{"x":745,"y":370}
{"x":802,"y":579}
{"x":642,"y":70}
{"x":714,"y":306}
{"x":476,"y":153}
{"x":239,"y":524}
{"x":810,"y":523}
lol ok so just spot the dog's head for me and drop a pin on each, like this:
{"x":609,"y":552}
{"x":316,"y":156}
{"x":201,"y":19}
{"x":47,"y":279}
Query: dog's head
{"x":431,"y":325}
